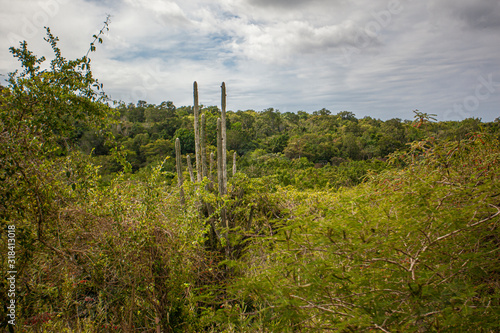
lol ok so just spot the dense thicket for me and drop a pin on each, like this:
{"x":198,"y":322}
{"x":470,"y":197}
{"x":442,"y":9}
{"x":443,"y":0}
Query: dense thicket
{"x":336,"y":223}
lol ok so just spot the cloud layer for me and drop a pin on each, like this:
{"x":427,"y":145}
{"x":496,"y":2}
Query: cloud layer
{"x":379,"y":58}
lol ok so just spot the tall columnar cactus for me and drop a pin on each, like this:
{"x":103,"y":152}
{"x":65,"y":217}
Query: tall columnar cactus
{"x":197,"y":133}
{"x":234,"y":163}
{"x":178,"y":163}
{"x":212,"y":163}
{"x":220,"y":179}
{"x":190,"y":168}
{"x":223,"y":139}
{"x":219,"y":157}
{"x":203,"y":144}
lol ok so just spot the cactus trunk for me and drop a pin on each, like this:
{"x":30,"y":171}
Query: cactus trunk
{"x":223,"y":138}
{"x":219,"y":157}
{"x":234,"y":163}
{"x":223,"y":182}
{"x":203,"y":143}
{"x":197,"y":133}
{"x":190,"y":168}
{"x":212,"y":163}
{"x":178,"y":163}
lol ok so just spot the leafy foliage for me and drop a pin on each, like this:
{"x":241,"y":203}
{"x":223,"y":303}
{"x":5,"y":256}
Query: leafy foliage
{"x":410,"y":250}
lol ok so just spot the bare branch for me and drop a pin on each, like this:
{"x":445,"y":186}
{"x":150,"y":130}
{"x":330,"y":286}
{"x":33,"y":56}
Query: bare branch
{"x":321,"y":307}
{"x":470,"y":225}
{"x":382,"y":329}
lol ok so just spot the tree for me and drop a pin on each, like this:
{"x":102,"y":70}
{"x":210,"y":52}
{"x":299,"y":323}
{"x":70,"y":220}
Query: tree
{"x":422,"y":118}
{"x":347,"y":115}
{"x":269,"y":122}
{"x":135,"y":114}
{"x":322,"y":112}
{"x":40,"y":111}
{"x":186,"y":137}
{"x":155,"y":114}
{"x":52,"y":102}
{"x":277,"y":143}
{"x":158,"y":150}
{"x":350,"y":146}
{"x":314,"y":147}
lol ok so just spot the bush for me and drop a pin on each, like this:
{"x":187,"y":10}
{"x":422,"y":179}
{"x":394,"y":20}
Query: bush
{"x":411,"y":250}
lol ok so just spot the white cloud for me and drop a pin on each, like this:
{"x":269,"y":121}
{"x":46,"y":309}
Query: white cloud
{"x":166,"y":12}
{"x":382,"y":58}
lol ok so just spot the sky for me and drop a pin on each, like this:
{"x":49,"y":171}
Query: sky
{"x":377,"y":58}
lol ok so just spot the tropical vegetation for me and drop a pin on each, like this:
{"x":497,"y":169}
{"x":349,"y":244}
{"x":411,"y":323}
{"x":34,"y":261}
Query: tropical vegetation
{"x":329,"y":222}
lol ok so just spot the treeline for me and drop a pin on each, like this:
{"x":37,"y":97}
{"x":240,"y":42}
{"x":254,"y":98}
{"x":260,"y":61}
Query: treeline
{"x":307,"y":150}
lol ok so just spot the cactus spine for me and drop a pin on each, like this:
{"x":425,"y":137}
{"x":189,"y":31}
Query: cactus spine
{"x":197,"y":133}
{"x":178,"y":163}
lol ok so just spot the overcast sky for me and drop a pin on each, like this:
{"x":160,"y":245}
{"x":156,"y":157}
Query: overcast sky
{"x":378,"y":58}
